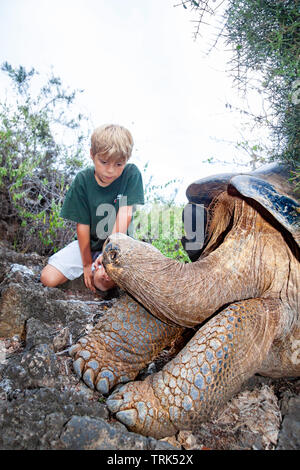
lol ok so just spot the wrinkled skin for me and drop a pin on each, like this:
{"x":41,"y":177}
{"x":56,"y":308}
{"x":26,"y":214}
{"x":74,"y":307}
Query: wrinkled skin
{"x":244,"y":288}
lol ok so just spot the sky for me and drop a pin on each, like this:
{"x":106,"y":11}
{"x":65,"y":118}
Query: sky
{"x":139,"y":66}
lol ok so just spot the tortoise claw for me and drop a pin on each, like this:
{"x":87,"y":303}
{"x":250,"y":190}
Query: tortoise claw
{"x":114,"y":405}
{"x":136,"y":406}
{"x":103,"y":386}
{"x":128,"y":417}
{"x":88,"y":378}
{"x":87,"y":367}
{"x":78,"y":366}
{"x":73,"y":349}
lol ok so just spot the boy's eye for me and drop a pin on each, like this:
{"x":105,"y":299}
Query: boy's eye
{"x":103,"y":162}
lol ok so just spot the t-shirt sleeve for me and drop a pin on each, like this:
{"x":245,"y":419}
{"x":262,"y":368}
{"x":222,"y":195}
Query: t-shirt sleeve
{"x":133,"y":192}
{"x":75,"y":206}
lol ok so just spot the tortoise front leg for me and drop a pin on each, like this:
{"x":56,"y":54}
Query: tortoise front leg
{"x":226,"y":351}
{"x":124,"y":340}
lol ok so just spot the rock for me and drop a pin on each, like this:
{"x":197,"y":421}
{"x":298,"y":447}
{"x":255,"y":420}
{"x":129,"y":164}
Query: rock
{"x":289,"y":437}
{"x":38,"y":367}
{"x":85,"y":433}
{"x":8,"y":256}
{"x":62,"y":340}
{"x":22,"y":270}
{"x":50,"y":306}
{"x":2,"y":352}
{"x":173,"y":440}
{"x":188,"y":440}
{"x":35,"y":419}
{"x":37,"y":332}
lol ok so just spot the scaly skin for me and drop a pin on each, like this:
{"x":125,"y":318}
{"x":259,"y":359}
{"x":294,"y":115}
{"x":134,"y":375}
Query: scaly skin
{"x":124,"y":340}
{"x":226,"y":351}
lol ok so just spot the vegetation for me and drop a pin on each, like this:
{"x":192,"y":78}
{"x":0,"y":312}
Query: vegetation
{"x":159,"y":222}
{"x":161,"y":225}
{"x":264,"y":38}
{"x":35,"y":169}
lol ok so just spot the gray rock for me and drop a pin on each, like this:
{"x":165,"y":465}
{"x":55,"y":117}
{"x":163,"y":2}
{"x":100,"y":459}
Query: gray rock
{"x":30,"y":260}
{"x":18,"y":303}
{"x":61,"y":340}
{"x":85,"y":433}
{"x":20,"y":268}
{"x":38,"y":367}
{"x":289,"y":436}
{"x":35,"y":419}
{"x":38,"y":332}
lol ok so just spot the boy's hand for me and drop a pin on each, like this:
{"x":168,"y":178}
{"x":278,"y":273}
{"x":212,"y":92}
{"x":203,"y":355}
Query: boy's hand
{"x":98,"y":262}
{"x":103,"y":273}
{"x":89,"y":278}
{"x":99,"y":267}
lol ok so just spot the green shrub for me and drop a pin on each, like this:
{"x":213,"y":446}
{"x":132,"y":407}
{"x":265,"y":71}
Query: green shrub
{"x":35,"y":166}
{"x":159,"y":222}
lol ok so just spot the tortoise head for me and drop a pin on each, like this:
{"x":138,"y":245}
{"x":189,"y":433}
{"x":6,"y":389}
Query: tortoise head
{"x":269,"y":186}
{"x":126,"y":260}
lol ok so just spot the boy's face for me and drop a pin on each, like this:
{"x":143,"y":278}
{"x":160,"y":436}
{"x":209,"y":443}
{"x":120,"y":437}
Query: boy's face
{"x":107,"y":170}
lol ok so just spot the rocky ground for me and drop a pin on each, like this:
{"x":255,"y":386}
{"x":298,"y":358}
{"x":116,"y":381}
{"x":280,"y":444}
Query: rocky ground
{"x":43,"y":405}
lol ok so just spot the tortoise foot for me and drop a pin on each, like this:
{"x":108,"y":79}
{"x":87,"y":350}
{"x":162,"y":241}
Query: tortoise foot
{"x":120,"y":345}
{"x":136,"y":406}
{"x":98,"y":365}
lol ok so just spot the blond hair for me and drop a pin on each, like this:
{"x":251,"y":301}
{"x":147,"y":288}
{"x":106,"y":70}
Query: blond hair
{"x":112,"y":140}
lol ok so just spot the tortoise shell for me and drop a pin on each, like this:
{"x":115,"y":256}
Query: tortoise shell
{"x":269,"y":186}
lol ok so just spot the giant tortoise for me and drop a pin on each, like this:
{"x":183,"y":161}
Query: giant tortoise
{"x":240,"y":295}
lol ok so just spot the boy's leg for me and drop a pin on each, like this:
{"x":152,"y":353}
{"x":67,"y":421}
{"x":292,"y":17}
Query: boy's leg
{"x":64,"y":265}
{"x":52,"y":277}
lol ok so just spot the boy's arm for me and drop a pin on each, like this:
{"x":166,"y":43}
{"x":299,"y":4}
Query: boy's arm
{"x":121,"y":224}
{"x":83,"y":236}
{"x":123,"y":219}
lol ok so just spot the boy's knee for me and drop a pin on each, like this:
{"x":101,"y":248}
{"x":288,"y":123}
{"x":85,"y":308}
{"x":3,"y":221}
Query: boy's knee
{"x":51,"y":277}
{"x":46,"y":278}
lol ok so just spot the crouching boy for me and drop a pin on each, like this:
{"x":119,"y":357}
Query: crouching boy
{"x":101,"y":200}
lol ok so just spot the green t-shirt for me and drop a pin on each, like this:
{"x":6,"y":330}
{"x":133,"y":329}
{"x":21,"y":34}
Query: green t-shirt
{"x":88,"y":203}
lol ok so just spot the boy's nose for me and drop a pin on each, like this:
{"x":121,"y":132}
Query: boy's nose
{"x":110,"y":171}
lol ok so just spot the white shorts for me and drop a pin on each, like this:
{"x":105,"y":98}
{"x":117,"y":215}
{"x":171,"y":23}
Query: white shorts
{"x":68,"y":260}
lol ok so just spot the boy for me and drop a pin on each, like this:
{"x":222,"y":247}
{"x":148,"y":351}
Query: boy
{"x":100,"y":200}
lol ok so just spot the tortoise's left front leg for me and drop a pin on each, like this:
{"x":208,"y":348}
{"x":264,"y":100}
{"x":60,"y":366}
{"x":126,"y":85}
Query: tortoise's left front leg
{"x":124,"y":340}
{"x":226,"y":351}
